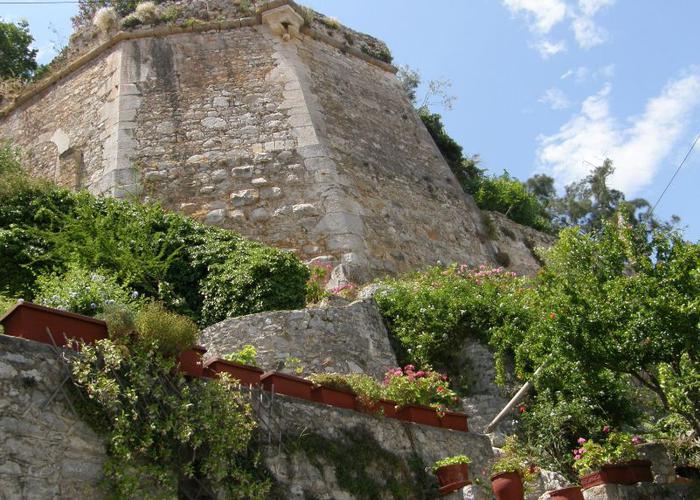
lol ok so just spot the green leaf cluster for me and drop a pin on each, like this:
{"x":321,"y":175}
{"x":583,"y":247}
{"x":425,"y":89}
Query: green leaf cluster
{"x":455,"y":460}
{"x":163,"y":431}
{"x":204,"y":272}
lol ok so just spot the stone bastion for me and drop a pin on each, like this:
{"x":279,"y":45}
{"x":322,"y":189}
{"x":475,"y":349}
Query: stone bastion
{"x":277,"y":128}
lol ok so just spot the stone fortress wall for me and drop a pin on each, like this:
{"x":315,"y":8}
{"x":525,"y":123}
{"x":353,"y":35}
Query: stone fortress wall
{"x":296,"y":138}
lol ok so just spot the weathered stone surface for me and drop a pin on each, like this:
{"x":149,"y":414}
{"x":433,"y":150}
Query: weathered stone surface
{"x":661,"y":465}
{"x":304,"y":476}
{"x":346,"y":339}
{"x":47,"y":452}
{"x":348,"y":167}
{"x":643,"y":491}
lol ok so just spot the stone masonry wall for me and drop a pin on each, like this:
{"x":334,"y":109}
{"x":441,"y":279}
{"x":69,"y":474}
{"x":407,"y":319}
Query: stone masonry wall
{"x":302,"y":144}
{"x":344,"y":339}
{"x":47,"y":452}
{"x":69,"y":134}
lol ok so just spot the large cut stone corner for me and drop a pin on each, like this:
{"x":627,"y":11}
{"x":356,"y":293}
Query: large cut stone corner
{"x":283,"y":21}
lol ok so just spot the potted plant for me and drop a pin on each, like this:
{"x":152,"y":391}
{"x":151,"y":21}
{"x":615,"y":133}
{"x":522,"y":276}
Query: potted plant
{"x":190,"y":361}
{"x":452,"y":473}
{"x":248,"y":375}
{"x":511,"y":471}
{"x":31,"y":321}
{"x":614,"y":461}
{"x":455,"y":421}
{"x":423,"y":396}
{"x":332,"y":389}
{"x":289,"y":385}
{"x":241,"y":365}
{"x":568,"y":493}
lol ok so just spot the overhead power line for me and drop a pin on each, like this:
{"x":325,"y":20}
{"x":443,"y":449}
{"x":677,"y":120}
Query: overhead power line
{"x":690,"y":150}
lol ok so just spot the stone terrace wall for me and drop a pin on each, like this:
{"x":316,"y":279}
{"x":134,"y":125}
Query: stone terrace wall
{"x":46,"y":452}
{"x":344,"y":339}
{"x":304,"y":475}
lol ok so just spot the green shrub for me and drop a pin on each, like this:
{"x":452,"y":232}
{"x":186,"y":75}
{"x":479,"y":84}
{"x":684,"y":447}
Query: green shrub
{"x":121,"y":321}
{"x":170,"y":332}
{"x":514,"y":458}
{"x":160,"y":430}
{"x":315,"y":286}
{"x":509,"y":196}
{"x":247,"y":355}
{"x":131,"y":21}
{"x":455,"y":460}
{"x":81,"y":291}
{"x":185,"y":264}
{"x":256,"y":278}
{"x":617,"y":448}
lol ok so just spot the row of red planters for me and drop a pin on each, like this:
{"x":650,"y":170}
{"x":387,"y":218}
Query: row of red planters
{"x":509,"y":485}
{"x":31,"y":321}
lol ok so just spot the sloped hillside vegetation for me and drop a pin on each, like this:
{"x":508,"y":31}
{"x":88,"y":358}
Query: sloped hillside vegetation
{"x":203,"y":272}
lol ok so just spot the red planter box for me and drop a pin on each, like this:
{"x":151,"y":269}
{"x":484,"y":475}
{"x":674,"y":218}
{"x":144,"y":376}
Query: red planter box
{"x":248,"y":375}
{"x":29,"y":321}
{"x":419,"y":415}
{"x":570,"y":493}
{"x":507,"y":486}
{"x":333,"y":397}
{"x":635,"y":471}
{"x":382,"y":407}
{"x":191,"y":363}
{"x":455,"y":421}
{"x":452,"y":477}
{"x":286,"y":384}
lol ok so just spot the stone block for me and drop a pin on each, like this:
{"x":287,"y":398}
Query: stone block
{"x":244,"y":197}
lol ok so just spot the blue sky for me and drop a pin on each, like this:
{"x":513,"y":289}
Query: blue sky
{"x":542,"y":85}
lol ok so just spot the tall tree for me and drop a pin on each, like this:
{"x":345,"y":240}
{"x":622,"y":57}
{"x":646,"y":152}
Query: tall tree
{"x":17,"y":58}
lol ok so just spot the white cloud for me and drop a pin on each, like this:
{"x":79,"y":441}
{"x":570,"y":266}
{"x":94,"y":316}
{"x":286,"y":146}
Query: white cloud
{"x":591,"y":7}
{"x":555,"y":99}
{"x":542,"y":15}
{"x":548,"y":49}
{"x":587,"y":33}
{"x":583,"y":73}
{"x":636,"y":146}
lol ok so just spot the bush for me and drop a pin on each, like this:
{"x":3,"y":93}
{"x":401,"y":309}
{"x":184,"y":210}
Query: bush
{"x":256,"y":278}
{"x":455,"y":460}
{"x":247,"y":355}
{"x":81,"y":291}
{"x":187,"y":265}
{"x":121,"y":322}
{"x":160,"y":430}
{"x":509,"y":196}
{"x":168,"y":332}
{"x":146,"y":12}
{"x":105,"y":19}
{"x":409,"y":386}
{"x":131,"y":21}
{"x":616,"y":449}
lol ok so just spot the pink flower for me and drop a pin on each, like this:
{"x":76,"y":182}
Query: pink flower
{"x":638,"y":440}
{"x":409,"y":368}
{"x":606,"y":429}
{"x":420,"y":374}
{"x":581,"y":440}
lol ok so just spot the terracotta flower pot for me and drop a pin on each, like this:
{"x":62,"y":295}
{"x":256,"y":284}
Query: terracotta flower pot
{"x":452,"y":477}
{"x":634,"y":471}
{"x":383,"y":407}
{"x":455,"y":421}
{"x":289,"y":385}
{"x":419,"y":415}
{"x":333,"y":397}
{"x":508,"y":486}
{"x":246,"y":374}
{"x":190,"y":361}
{"x":570,"y":493}
{"x":30,"y":321}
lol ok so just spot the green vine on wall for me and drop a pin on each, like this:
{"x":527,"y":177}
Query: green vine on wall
{"x":164,"y":433}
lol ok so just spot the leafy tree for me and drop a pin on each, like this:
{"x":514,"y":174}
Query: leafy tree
{"x":615,"y":300}
{"x":17,"y":58}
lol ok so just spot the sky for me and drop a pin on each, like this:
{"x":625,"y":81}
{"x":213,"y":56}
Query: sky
{"x":542,"y":86}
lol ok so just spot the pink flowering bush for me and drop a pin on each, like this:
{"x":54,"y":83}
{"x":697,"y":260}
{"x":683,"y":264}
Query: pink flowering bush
{"x":618,"y":448}
{"x":408,"y":386}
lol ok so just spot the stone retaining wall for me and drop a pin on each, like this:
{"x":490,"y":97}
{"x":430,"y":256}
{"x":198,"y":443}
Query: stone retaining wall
{"x":338,"y":338}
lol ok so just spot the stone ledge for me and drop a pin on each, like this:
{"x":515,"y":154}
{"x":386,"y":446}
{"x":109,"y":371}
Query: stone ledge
{"x":162,"y":31}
